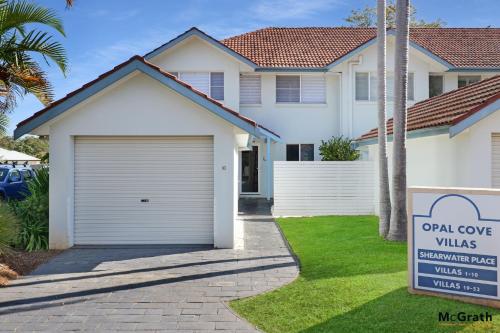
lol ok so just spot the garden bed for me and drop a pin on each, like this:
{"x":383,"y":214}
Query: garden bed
{"x":17,"y":263}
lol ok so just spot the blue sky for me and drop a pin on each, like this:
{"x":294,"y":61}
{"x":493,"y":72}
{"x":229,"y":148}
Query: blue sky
{"x":102,"y":34}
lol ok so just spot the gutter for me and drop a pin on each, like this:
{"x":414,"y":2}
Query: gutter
{"x":420,"y":133}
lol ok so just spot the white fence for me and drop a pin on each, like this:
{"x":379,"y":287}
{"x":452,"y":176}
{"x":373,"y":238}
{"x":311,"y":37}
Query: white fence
{"x":323,"y":188}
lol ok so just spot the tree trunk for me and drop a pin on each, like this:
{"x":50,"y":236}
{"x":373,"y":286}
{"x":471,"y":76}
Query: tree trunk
{"x":384,"y":194}
{"x":397,"y":229}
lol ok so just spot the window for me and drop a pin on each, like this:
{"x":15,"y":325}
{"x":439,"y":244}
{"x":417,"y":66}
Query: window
{"x":435,"y":85}
{"x":307,"y":152}
{"x":217,"y":85}
{"x":366,"y":87}
{"x":26,"y":174}
{"x":250,"y":89}
{"x":300,"y":152}
{"x":307,"y":89}
{"x":288,"y":89}
{"x":362,"y":86}
{"x":14,"y":176}
{"x":3,"y":174}
{"x":208,"y":83}
{"x":465,"y":80}
{"x":313,"y":89}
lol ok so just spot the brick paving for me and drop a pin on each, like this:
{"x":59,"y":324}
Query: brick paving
{"x":153,"y":289}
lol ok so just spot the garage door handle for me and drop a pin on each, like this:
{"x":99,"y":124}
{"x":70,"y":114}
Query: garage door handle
{"x":144,"y":200}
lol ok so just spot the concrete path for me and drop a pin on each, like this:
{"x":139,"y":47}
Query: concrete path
{"x":163,"y":289}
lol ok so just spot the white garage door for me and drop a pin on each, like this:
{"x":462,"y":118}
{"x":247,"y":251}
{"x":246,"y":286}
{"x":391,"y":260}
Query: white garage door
{"x":144,"y":190}
{"x":495,"y":160}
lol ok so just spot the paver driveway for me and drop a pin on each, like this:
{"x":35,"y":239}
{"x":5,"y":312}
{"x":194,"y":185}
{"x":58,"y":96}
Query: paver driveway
{"x":149,"y":289}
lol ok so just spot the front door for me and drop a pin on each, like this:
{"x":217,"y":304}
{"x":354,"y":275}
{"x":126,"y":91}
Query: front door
{"x":250,"y":170}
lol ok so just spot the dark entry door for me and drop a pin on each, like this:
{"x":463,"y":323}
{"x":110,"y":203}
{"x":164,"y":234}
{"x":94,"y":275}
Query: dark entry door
{"x":250,"y":170}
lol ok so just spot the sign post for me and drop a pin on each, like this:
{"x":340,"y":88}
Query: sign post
{"x":454,"y":243}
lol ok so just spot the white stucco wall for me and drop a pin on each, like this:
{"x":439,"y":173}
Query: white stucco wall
{"x":197,"y":55}
{"x":139,"y":105}
{"x":364,"y":113}
{"x":461,"y":161}
{"x":304,"y":123}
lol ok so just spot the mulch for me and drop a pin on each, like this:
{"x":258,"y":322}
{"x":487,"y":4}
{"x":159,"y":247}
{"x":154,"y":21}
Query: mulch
{"x":16,"y":263}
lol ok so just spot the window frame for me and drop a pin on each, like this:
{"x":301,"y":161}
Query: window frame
{"x":373,"y":99}
{"x":223,"y":85}
{"x":300,"y":102}
{"x":442,"y":83}
{"x":260,"y":88}
{"x":299,"y":152}
{"x":300,"y":89}
{"x":178,"y":75}
{"x":18,"y":174}
{"x":468,"y":77}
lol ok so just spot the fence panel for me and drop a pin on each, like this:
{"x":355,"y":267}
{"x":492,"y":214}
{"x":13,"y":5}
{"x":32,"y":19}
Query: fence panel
{"x":323,"y":188}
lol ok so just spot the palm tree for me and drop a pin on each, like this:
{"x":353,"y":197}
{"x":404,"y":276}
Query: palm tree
{"x":397,"y":229}
{"x":4,"y":123}
{"x":384,"y":195}
{"x":22,"y":45}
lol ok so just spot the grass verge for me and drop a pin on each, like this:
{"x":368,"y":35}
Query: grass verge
{"x":351,"y":281}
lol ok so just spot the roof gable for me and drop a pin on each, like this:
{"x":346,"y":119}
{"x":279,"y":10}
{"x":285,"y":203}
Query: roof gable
{"x":200,"y":34}
{"x":138,"y":63}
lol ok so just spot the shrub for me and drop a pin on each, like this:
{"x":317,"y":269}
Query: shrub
{"x":33,"y":213}
{"x":338,"y":149}
{"x":9,"y":228}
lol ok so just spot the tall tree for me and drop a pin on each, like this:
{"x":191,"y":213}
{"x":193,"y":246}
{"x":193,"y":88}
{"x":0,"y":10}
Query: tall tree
{"x":367,"y":17}
{"x":384,"y":194}
{"x":22,"y":42}
{"x":397,"y":229}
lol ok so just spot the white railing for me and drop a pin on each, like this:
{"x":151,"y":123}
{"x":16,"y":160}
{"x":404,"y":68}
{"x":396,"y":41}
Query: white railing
{"x":323,"y":188}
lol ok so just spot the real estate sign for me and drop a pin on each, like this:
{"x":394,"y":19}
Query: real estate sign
{"x":454,"y":243}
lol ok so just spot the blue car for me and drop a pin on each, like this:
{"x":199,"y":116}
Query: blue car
{"x":13,"y":181}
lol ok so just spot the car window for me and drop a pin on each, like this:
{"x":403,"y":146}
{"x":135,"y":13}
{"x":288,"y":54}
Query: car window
{"x":26,"y":174}
{"x":14,"y":176}
{"x":3,"y":174}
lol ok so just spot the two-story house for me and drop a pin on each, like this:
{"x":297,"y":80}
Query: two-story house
{"x":211,"y":116}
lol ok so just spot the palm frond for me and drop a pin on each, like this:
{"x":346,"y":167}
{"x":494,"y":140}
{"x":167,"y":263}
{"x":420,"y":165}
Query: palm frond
{"x":43,"y":43}
{"x":17,"y":14}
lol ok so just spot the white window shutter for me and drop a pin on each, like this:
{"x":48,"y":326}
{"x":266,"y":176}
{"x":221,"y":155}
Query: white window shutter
{"x":250,"y":89}
{"x":313,"y":89}
{"x":198,"y":80}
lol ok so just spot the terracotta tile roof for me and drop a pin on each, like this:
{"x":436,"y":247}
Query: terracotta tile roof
{"x":449,"y":108}
{"x":318,"y":47}
{"x":141,"y":59}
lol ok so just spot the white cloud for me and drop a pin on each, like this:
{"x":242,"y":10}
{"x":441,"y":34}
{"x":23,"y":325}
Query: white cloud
{"x":273,"y":10}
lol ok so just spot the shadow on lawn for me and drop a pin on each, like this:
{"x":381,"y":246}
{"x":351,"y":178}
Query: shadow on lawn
{"x":396,"y":312}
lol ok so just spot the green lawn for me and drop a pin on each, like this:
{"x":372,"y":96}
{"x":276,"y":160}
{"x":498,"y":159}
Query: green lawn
{"x":351,"y":281}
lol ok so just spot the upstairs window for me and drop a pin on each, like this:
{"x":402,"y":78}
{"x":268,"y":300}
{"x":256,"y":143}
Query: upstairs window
{"x":435,"y":85}
{"x":307,"y":89}
{"x":217,"y":85}
{"x":366,"y":87}
{"x":250,"y":89}
{"x":210,"y":83}
{"x":465,"y":80}
{"x":288,"y":89}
